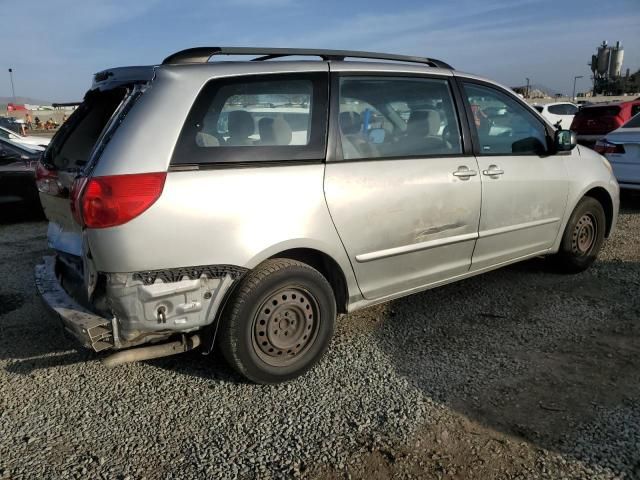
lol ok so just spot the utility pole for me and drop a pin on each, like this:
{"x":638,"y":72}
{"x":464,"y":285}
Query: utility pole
{"x":527,"y":94}
{"x":573,"y":97}
{"x":13,"y":90}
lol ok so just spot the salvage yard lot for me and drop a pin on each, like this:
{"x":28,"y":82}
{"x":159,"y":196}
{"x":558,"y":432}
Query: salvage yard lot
{"x":520,"y":373}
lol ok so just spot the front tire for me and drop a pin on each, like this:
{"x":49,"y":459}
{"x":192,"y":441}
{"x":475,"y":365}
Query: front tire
{"x":279,"y":322}
{"x":583,"y":237}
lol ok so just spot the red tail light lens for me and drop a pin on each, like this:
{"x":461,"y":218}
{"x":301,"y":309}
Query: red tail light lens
{"x":603,"y":147}
{"x":114,"y":200}
{"x":75,"y":196}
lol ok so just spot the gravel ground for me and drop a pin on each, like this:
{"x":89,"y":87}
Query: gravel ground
{"x":519,"y":373}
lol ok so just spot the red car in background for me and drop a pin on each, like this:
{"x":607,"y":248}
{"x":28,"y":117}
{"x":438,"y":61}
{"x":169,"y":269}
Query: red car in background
{"x":593,"y":122}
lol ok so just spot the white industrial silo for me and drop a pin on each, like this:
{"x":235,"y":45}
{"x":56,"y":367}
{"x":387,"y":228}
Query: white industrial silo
{"x":615,"y":61}
{"x":603,"y":58}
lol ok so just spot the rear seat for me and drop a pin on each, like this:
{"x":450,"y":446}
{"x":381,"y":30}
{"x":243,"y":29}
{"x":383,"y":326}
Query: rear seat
{"x":354,"y":144}
{"x":274,"y":131}
{"x":423,"y":133}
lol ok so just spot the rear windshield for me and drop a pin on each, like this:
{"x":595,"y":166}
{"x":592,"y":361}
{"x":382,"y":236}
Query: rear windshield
{"x":610,"y":111}
{"x":633,"y":123}
{"x":72,"y":145}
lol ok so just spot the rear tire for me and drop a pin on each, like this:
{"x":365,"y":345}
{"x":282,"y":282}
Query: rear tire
{"x":279,"y":321}
{"x":582,"y":238}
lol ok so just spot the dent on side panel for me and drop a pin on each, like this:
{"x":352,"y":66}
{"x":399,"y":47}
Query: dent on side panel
{"x":404,"y":223}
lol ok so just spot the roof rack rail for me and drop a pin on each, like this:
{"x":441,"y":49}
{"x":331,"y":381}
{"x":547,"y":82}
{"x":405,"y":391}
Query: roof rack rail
{"x":203,"y":54}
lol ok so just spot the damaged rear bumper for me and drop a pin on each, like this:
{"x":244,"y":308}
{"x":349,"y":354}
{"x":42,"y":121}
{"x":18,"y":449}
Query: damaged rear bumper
{"x":91,"y":330}
{"x":143,"y":307}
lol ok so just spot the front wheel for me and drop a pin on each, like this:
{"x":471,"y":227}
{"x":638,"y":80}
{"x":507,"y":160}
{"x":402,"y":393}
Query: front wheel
{"x":279,"y":322}
{"x":582,"y":238}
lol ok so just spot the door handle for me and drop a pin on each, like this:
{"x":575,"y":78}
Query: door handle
{"x":492,"y":171}
{"x":464,"y":172}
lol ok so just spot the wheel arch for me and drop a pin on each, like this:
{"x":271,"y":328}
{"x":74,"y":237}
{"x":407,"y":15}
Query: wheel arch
{"x":327,"y":266}
{"x":602,"y":196}
{"x":321,"y":261}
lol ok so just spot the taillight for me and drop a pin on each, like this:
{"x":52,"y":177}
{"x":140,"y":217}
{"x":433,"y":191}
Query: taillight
{"x":47,"y":180}
{"x":604,"y":147}
{"x":110,"y":201}
{"x":75,"y":196}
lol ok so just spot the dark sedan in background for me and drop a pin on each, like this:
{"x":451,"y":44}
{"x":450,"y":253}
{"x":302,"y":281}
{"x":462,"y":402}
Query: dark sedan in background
{"x":17,"y":174}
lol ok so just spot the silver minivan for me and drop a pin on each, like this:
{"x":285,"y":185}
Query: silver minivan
{"x":245,"y":204}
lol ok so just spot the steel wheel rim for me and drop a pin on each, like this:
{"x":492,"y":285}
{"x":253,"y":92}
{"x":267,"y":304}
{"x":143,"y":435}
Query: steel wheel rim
{"x":285,"y":326}
{"x":585,"y":234}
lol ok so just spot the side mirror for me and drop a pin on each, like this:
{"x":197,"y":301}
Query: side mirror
{"x":565,"y":140}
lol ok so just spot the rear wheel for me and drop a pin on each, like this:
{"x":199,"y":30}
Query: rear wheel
{"x":582,"y":238}
{"x":279,"y":322}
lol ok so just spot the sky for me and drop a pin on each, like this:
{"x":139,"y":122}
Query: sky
{"x":55,"y":46}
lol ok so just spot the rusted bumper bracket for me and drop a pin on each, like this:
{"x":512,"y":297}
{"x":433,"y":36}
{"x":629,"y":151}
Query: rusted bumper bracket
{"x":91,"y":330}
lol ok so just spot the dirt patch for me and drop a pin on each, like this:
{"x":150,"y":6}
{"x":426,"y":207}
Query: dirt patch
{"x":454,"y":448}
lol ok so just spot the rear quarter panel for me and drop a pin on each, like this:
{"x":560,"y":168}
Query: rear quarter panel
{"x":237,"y":216}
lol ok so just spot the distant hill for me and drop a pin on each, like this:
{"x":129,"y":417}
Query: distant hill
{"x":23,"y":100}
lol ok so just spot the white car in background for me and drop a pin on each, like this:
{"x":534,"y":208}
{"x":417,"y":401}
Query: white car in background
{"x":622,"y":149}
{"x":562,"y":112}
{"x":31,"y":141}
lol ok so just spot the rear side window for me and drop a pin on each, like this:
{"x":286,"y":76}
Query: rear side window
{"x":262,"y":118}
{"x":571,"y":109}
{"x":539,"y":108}
{"x":397,"y":117}
{"x":563,"y":109}
{"x":557,"y":109}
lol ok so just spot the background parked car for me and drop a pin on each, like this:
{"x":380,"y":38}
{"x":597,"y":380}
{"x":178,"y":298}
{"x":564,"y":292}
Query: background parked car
{"x":562,"y":112}
{"x":583,"y":103}
{"x":10,"y":123}
{"x":32,"y":141}
{"x":622,"y":149}
{"x":593,"y":122}
{"x":17,"y":173}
